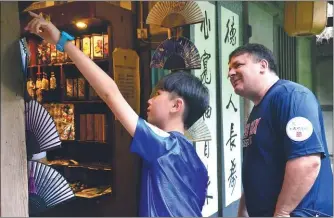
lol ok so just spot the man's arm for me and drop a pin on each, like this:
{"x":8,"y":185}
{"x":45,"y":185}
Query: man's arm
{"x":242,"y":211}
{"x":300,"y":175}
{"x":105,"y":87}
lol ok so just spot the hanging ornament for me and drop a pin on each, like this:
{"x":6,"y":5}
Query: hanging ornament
{"x":39,"y":95}
{"x":45,"y":82}
{"x":53,"y":81}
{"x":30,"y":88}
{"x":38,"y":81}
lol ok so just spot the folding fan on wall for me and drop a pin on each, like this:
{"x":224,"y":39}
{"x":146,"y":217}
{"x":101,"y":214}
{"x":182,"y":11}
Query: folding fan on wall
{"x":176,"y":53}
{"x":41,"y":131}
{"x":47,"y":187}
{"x":25,"y":54}
{"x":198,"y":132}
{"x":172,"y":14}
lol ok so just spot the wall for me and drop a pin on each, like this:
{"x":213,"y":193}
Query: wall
{"x":323,"y":77}
{"x":304,"y":63}
{"x":262,"y":25}
{"x":14,"y":181}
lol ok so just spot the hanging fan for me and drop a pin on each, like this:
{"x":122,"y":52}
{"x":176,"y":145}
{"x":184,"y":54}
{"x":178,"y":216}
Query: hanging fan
{"x":176,"y":53}
{"x":47,"y":187}
{"x":41,"y":131}
{"x":198,"y":132}
{"x":172,"y":14}
{"x":25,"y":54}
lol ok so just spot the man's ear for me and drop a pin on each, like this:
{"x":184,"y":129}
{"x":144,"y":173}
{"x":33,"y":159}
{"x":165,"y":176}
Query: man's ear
{"x":264,"y":65}
{"x":178,"y":105}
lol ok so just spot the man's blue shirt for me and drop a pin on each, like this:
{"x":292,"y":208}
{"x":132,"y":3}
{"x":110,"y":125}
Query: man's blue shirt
{"x":286,"y":124}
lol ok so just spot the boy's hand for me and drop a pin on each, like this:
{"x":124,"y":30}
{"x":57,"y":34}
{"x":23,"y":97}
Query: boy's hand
{"x":39,"y":26}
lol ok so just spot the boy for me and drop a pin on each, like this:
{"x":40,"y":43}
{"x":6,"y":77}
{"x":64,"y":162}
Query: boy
{"x":174,"y":180}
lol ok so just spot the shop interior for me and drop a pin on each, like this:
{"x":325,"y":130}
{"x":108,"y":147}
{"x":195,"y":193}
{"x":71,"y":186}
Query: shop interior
{"x":86,"y":152}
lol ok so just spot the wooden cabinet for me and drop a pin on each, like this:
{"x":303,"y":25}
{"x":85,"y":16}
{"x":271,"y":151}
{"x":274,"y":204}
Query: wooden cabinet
{"x":100,"y":146}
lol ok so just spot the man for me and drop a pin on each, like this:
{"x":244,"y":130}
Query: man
{"x":174,"y":179}
{"x":286,"y":167}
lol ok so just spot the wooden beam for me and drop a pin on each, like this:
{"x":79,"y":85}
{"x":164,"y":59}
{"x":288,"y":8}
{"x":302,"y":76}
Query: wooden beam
{"x":14,"y":181}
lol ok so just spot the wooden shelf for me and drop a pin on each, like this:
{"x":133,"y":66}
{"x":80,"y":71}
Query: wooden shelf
{"x":67,"y":63}
{"x":101,"y":167}
{"x":84,"y":142}
{"x":82,"y":102}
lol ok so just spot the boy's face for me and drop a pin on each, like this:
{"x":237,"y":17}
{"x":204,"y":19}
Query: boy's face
{"x":160,"y":105}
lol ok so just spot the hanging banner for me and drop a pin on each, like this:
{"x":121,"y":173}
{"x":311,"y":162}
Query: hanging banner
{"x":231,"y":109}
{"x":126,"y":76}
{"x":204,"y":38}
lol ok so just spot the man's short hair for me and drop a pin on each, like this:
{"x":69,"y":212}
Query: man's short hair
{"x":190,"y":88}
{"x":258,"y":52}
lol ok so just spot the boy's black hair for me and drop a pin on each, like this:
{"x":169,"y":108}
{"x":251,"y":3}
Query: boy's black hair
{"x":190,"y":88}
{"x":258,"y":52}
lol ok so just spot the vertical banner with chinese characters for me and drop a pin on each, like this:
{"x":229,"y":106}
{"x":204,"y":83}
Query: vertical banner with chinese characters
{"x":126,"y":75}
{"x":204,"y":38}
{"x":231,"y":109}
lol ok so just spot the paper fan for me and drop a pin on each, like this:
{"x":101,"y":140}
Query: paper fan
{"x":41,"y":131}
{"x":198,"y":132}
{"x":25,"y":54}
{"x":175,"y":13}
{"x":47,"y":187}
{"x":176,"y":53}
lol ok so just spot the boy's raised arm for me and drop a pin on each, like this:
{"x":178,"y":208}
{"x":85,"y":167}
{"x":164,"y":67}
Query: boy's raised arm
{"x":105,"y":86}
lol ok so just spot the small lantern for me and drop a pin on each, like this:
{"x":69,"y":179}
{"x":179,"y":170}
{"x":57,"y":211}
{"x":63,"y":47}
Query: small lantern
{"x":43,"y":53}
{"x":53,"y":81}
{"x":75,"y":87}
{"x":81,"y":88}
{"x":31,"y":87}
{"x":66,"y":57}
{"x":105,"y":45}
{"x":91,"y":48}
{"x":53,"y":54}
{"x":78,"y":42}
{"x":45,"y":82}
{"x":86,"y":45}
{"x":69,"y":87}
{"x":38,"y":80}
{"x":60,"y":57}
{"x":305,"y":18}
{"x":97,"y":45}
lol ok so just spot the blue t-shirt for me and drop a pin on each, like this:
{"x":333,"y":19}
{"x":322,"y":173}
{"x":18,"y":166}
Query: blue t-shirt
{"x":286,"y":124}
{"x":174,"y":179}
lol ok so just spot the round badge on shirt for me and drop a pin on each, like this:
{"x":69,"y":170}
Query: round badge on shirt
{"x":299,"y":129}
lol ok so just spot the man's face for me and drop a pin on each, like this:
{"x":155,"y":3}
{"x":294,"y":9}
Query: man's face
{"x":245,"y":74}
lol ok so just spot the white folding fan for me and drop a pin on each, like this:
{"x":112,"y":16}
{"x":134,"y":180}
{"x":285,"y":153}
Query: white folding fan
{"x":198,"y":132}
{"x":176,"y":53}
{"x":41,"y":131}
{"x":47,"y":187}
{"x":172,"y":14}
